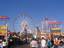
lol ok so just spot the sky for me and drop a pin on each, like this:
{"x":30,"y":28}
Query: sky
{"x":38,"y":9}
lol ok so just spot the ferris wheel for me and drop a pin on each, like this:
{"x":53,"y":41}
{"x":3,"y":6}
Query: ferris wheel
{"x":23,"y":21}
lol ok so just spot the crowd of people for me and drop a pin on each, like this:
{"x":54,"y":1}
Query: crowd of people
{"x":10,"y":42}
{"x":42,"y":42}
{"x":47,"y":43}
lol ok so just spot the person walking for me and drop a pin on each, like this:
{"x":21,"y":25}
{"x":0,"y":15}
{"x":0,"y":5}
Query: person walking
{"x":10,"y":42}
{"x":56,"y":42}
{"x":1,"y":45}
{"x":43,"y":43}
{"x":49,"y":44}
{"x":61,"y":45}
{"x":4,"y":44}
{"x":34,"y":43}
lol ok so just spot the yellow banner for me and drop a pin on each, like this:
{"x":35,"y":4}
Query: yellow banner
{"x":3,"y":30}
{"x":3,"y":27}
{"x":55,"y":28}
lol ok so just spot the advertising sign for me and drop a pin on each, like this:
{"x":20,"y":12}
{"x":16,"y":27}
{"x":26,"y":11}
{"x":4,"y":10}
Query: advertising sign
{"x":55,"y":29}
{"x":3,"y":30}
{"x":3,"y":27}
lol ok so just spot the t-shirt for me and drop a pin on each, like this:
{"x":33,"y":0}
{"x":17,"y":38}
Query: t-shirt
{"x":34,"y":43}
{"x":49,"y":43}
{"x":43,"y":43}
{"x":4,"y":43}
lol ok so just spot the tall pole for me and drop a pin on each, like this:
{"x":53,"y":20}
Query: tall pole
{"x":7,"y":33}
{"x":25,"y":30}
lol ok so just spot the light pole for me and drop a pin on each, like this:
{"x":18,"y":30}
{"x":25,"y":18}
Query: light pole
{"x":25,"y":30}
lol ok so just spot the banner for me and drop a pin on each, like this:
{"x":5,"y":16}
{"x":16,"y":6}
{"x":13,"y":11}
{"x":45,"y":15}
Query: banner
{"x":55,"y":28}
{"x":3,"y":27}
{"x":3,"y":30}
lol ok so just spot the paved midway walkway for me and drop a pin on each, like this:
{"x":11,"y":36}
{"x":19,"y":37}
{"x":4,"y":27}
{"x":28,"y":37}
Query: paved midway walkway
{"x":22,"y":46}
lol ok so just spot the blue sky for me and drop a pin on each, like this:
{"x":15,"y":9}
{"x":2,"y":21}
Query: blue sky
{"x":36,"y":8}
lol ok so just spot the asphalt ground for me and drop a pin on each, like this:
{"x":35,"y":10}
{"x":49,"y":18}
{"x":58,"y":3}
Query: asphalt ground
{"x":22,"y":46}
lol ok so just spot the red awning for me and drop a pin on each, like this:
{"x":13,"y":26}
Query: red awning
{"x":52,"y":22}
